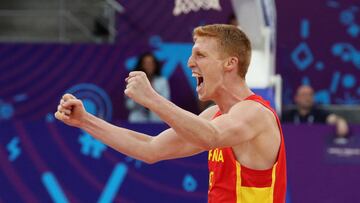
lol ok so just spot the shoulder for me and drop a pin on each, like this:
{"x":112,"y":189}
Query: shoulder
{"x":251,"y":112}
{"x":249,"y":107}
{"x":210,"y":112}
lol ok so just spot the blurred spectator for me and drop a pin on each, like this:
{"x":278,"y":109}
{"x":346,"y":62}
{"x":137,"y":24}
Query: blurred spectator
{"x":151,"y":66}
{"x":307,"y":112}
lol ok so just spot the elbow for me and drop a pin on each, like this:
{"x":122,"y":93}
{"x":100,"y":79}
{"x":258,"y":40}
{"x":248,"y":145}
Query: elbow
{"x":151,"y":159}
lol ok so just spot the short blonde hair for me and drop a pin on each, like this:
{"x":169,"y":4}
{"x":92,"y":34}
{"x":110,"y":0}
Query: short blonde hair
{"x":232,"y":42}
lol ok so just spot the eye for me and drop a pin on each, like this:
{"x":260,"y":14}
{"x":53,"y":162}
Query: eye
{"x":199,"y":55}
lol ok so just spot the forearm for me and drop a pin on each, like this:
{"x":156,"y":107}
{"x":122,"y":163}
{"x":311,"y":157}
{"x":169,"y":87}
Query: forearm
{"x":191,"y":127}
{"x":128,"y":142}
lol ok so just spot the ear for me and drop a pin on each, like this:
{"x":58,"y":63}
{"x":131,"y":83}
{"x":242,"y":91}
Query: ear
{"x":231,"y":63}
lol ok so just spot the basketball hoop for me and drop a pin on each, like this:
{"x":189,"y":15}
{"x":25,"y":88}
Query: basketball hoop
{"x":185,"y":6}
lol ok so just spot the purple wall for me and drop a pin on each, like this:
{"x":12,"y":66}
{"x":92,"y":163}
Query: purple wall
{"x":31,"y":152}
{"x":315,"y":172}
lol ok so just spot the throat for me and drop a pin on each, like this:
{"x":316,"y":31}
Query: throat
{"x":226,"y":97}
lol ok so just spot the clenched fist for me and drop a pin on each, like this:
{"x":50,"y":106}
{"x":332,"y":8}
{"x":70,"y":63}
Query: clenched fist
{"x":70,"y":111}
{"x":139,"y":89}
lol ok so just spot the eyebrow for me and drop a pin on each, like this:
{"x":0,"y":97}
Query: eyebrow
{"x":197,"y":51}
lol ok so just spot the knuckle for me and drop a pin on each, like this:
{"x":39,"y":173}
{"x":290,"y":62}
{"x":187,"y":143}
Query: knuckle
{"x":58,"y":115}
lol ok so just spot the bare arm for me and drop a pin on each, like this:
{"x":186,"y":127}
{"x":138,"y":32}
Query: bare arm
{"x":166,"y":145}
{"x":240,"y":124}
{"x":237,"y":126}
{"x":150,"y":149}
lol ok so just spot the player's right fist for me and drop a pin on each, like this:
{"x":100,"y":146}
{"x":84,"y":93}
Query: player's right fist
{"x":70,"y":110}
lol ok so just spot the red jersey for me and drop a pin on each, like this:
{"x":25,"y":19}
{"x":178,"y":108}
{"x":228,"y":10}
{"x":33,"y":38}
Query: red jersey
{"x":231,"y":182}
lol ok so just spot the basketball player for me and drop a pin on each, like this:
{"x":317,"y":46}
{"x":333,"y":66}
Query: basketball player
{"x":241,"y":133}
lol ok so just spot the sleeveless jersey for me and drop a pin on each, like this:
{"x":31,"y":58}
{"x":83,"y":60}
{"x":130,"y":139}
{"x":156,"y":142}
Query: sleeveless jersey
{"x":231,"y":182}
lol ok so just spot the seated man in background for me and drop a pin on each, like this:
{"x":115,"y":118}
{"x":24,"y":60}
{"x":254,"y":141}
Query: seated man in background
{"x":307,"y":112}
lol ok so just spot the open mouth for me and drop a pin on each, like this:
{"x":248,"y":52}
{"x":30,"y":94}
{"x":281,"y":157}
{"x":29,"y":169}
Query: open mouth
{"x":200,"y":81}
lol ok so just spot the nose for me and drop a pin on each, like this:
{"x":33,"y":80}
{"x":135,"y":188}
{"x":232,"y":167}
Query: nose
{"x":191,"y":62}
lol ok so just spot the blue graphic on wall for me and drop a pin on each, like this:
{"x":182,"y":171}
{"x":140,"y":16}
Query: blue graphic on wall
{"x":13,"y":148}
{"x":347,"y":18}
{"x":6,"y":110}
{"x":303,"y":58}
{"x":108,"y":194}
{"x":173,"y":54}
{"x":114,"y":183}
{"x":95,"y":99}
{"x":306,"y":81}
{"x":347,"y":53}
{"x":335,"y":82}
{"x":50,"y":117}
{"x":189,"y":183}
{"x":20,"y":97}
{"x":53,"y":188}
{"x":90,"y":146}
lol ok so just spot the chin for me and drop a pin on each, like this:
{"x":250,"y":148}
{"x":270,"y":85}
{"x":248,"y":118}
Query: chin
{"x":203,"y":98}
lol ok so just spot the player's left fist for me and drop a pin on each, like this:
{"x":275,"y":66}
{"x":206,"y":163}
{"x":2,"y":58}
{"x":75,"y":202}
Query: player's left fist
{"x":139,"y":88}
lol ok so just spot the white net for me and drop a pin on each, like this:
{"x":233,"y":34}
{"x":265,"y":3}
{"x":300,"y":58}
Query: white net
{"x":185,"y":6}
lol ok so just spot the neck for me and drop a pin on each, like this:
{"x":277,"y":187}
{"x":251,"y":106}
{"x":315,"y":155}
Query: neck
{"x":228,"y":96}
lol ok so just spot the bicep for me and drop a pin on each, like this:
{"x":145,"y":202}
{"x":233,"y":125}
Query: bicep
{"x":168,"y":145}
{"x":241,"y":124}
{"x":231,"y":132}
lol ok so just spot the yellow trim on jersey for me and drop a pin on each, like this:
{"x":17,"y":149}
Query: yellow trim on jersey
{"x":273,"y":177}
{"x":256,"y":195}
{"x":253,"y":194}
{"x":238,"y":183}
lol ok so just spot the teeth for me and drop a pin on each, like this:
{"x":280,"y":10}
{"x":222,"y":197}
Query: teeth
{"x":196,"y":75}
{"x":199,"y":87}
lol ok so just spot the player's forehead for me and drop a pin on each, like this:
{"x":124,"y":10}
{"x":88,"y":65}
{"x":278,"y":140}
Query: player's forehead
{"x":203,"y":44}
